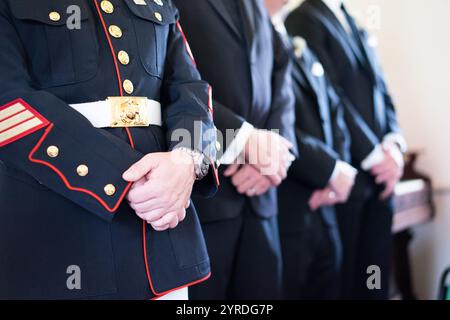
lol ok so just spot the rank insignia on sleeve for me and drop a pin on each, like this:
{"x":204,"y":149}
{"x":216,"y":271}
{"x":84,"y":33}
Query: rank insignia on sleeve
{"x":17,"y":120}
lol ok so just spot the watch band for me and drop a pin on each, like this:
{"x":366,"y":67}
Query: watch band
{"x":201,"y":164}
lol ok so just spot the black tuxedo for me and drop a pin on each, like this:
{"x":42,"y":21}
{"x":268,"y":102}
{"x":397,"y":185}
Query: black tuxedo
{"x":351,"y":63}
{"x":237,"y":52}
{"x":310,"y":241}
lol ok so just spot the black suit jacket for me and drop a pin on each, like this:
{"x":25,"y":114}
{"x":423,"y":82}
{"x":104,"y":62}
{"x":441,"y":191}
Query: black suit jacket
{"x":323,"y":138}
{"x":354,"y":70}
{"x":249,"y":71}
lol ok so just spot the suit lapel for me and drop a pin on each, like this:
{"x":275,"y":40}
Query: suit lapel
{"x":223,"y":12}
{"x":343,"y":36}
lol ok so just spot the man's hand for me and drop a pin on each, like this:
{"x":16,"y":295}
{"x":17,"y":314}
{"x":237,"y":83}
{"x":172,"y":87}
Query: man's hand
{"x":390,"y":170}
{"x":248,"y":180}
{"x":343,"y":181}
{"x":162,"y":188}
{"x":322,"y":198}
{"x":269,"y":153}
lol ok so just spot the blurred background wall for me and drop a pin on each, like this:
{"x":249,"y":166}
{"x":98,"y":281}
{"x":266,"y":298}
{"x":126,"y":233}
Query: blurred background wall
{"x":414,"y":47}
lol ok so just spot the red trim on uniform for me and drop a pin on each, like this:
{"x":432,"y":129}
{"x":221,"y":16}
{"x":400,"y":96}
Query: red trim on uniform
{"x":147,"y":269}
{"x":132,"y":142}
{"x":210,"y":100}
{"x":36,"y":114}
{"x":116,"y":64}
{"x":215,"y":173}
{"x":186,"y":43}
{"x":64,"y":179}
{"x":113,"y":52}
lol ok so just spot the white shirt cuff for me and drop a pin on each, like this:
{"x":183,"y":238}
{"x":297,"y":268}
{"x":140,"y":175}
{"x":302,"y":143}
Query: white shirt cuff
{"x":397,"y":139}
{"x":236,"y":147}
{"x":374,"y":158}
{"x":342,"y":166}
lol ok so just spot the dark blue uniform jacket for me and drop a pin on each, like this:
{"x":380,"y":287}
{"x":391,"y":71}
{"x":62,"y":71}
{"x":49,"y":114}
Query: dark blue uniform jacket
{"x":50,"y":217}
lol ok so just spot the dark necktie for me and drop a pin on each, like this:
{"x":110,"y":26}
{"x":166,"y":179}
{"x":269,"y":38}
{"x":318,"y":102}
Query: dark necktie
{"x":380,"y":110}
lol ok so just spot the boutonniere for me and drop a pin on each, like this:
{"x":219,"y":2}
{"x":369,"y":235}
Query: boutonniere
{"x":299,"y":45}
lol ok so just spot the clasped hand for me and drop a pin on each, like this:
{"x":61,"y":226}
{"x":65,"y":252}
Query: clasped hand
{"x":162,"y":186}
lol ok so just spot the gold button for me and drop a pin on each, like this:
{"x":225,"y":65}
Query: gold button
{"x":124,"y":58}
{"x":158,"y":16}
{"x":159,"y":2}
{"x":52,"y":151}
{"x":107,"y":6}
{"x":110,"y":190}
{"x":218,"y":146}
{"x":54,"y":16}
{"x":115,"y":31}
{"x":128,"y":86}
{"x":83,"y":170}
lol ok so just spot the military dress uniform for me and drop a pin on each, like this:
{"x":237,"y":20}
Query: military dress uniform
{"x":64,"y":147}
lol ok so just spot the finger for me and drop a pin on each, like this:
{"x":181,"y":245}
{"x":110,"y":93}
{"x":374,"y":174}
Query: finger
{"x":314,"y":200}
{"x":140,"y":169}
{"x":139,"y":183}
{"x":174,"y":223}
{"x":275,"y":180}
{"x":163,"y":228}
{"x":152,"y":216}
{"x":166,"y":219}
{"x":386,"y":176}
{"x":231,"y":170}
{"x":388,"y":191}
{"x":242,"y":175}
{"x":143,"y":193}
{"x":382,"y":167}
{"x":181,"y":215}
{"x":248,"y":184}
{"x":262,"y":186}
{"x":148,"y":205}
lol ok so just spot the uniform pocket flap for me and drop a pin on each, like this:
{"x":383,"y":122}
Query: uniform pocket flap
{"x":51,"y":12}
{"x":162,"y":13}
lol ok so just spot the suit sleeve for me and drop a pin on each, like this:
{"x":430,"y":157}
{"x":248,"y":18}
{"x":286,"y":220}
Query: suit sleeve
{"x":316,"y":164}
{"x":44,"y":137}
{"x":188,"y":107}
{"x":282,"y":115}
{"x":363,"y":140}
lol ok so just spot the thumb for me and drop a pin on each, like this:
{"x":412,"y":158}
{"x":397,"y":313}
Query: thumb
{"x":140,"y":169}
{"x":231,"y":170}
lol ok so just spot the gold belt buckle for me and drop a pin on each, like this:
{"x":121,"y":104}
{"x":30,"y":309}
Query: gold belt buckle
{"x":129,"y":112}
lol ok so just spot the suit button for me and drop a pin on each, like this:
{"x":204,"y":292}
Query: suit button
{"x":83,"y":170}
{"x":52,"y":151}
{"x":158,"y":16}
{"x":159,"y":2}
{"x":54,"y":16}
{"x":124,"y":58}
{"x":107,"y":6}
{"x":115,"y":31}
{"x":110,"y":190}
{"x":128,"y":86}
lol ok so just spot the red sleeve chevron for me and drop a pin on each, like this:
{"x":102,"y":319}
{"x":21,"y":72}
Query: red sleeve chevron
{"x":17,"y":120}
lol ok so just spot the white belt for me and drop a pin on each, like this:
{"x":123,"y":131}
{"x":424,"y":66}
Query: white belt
{"x":118,"y":112}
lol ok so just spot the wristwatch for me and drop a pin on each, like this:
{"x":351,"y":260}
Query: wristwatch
{"x":201,"y":164}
